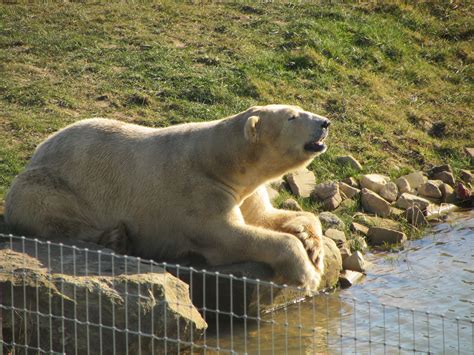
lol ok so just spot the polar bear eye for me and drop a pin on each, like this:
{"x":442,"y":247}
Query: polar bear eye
{"x":292,"y":118}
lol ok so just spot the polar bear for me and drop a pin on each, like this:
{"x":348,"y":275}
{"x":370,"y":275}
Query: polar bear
{"x":191,"y":188}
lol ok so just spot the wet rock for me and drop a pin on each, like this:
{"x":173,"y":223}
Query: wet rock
{"x":407,"y":200}
{"x":415,"y":179}
{"x":301,"y":182}
{"x":389,"y":192}
{"x":466,"y":176}
{"x":351,"y":182}
{"x":348,"y":190}
{"x":349,"y":278}
{"x":339,"y":237}
{"x":437,"y":169}
{"x":332,"y":264}
{"x":374,"y":182}
{"x":79,"y":284}
{"x":448,"y":194}
{"x":350,"y":161}
{"x":359,"y":228}
{"x":380,"y":236}
{"x":328,"y":194}
{"x":330,"y":220}
{"x":445,"y":176}
{"x":415,"y":216}
{"x":403,"y":185}
{"x":373,"y":203}
{"x":462,"y":192}
{"x":436,"y":211}
{"x":430,"y":189}
{"x":291,"y":204}
{"x":355,"y":262}
{"x":272,"y":193}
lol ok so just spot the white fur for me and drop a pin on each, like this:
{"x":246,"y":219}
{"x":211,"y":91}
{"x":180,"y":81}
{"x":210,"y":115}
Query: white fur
{"x":189,"y":188}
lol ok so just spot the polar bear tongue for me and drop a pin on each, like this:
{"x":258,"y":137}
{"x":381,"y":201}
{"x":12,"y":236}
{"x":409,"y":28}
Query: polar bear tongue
{"x":315,"y":146}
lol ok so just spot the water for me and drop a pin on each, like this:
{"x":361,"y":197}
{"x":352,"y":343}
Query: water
{"x":419,"y":300}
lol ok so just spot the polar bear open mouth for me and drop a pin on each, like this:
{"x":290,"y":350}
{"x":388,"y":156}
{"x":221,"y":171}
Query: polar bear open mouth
{"x":317,"y":145}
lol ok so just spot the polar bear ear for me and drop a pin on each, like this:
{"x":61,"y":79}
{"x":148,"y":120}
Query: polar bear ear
{"x":250,"y":130}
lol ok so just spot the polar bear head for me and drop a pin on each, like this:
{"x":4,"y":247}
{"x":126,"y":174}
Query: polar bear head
{"x":286,"y":131}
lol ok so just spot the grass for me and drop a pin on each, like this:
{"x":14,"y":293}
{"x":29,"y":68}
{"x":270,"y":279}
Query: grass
{"x":397,"y":79}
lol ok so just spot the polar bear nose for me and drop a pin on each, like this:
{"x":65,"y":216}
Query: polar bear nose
{"x":326,"y":124}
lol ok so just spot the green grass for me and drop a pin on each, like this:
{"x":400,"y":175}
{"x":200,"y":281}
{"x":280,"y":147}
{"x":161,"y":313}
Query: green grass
{"x":384,"y":73}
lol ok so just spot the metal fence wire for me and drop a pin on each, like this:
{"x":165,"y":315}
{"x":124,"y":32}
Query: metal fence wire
{"x":58,"y":298}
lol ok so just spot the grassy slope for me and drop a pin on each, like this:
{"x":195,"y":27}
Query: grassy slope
{"x":384,"y":74}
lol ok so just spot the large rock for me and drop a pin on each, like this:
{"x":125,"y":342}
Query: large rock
{"x":374,"y":182}
{"x":375,"y":204}
{"x":349,"y":160}
{"x":332,"y":264}
{"x":302,"y":182}
{"x":349,"y":278}
{"x":407,"y":200}
{"x":415,"y":216}
{"x":448,"y":194}
{"x":380,"y":236}
{"x":415,"y":179}
{"x":389,"y":192}
{"x":95,"y":287}
{"x":339,"y":237}
{"x":445,"y":176}
{"x":348,"y":190}
{"x":330,"y":220}
{"x":359,"y":228}
{"x":430,"y":189}
{"x":466,"y":176}
{"x":437,"y":169}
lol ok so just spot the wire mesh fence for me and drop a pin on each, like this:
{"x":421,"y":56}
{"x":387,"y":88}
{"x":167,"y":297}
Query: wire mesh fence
{"x":58,"y":298}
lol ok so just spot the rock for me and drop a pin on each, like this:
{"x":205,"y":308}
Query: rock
{"x":348,"y":190}
{"x":350,"y":161}
{"x":415,"y":179}
{"x":291,"y":204}
{"x":331,"y":203}
{"x":332,"y":264}
{"x":379,"y":236}
{"x":462,"y":192}
{"x":301,"y":182}
{"x":389,"y":192}
{"x":339,"y":237}
{"x":470,"y":154}
{"x":445,"y":176}
{"x":328,"y":193}
{"x":345,"y":252}
{"x":415,"y":216}
{"x":359,"y":228}
{"x":403,"y":185}
{"x":396,"y":212}
{"x":373,"y":203}
{"x":437,"y":169}
{"x":330,"y":220}
{"x":436,"y":211}
{"x":407,"y":200}
{"x":325,"y":190}
{"x":349,"y":278}
{"x":466,"y":176}
{"x":355,"y":262}
{"x":430,"y":189}
{"x":374,"y":182}
{"x":448,"y":194}
{"x":279,"y":185}
{"x":79,"y":284}
{"x":272,"y":193}
{"x":351,"y":182}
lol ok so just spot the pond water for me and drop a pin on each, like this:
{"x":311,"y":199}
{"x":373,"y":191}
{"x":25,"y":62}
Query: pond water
{"x":419,"y":300}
